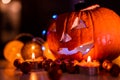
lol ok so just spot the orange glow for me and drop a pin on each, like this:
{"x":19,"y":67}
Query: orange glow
{"x":117,"y":60}
{"x":33,"y":76}
{"x":89,"y":59}
{"x":18,"y":55}
{"x":33,"y":47}
{"x":12,"y":50}
{"x":29,"y":48}
{"x":47,"y":53}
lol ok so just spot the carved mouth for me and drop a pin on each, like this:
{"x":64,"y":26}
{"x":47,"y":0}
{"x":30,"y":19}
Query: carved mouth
{"x":84,"y":49}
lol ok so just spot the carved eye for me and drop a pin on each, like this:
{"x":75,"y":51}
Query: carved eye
{"x":65,"y":37}
{"x":78,"y":24}
{"x":91,"y":7}
{"x":81,"y":24}
{"x":75,"y":23}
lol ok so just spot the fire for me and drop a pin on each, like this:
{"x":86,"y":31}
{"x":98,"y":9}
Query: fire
{"x":89,"y":59}
{"x":33,"y":56}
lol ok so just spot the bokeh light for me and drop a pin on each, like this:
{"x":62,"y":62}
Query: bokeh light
{"x":44,"y":32}
{"x":6,"y":1}
{"x":54,"y":16}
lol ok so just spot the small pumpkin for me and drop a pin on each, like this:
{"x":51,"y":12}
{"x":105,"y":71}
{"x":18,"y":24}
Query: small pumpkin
{"x":93,"y":31}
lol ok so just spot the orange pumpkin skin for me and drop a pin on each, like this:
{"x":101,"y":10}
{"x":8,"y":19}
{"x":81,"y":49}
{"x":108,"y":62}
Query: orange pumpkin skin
{"x":102,"y":27}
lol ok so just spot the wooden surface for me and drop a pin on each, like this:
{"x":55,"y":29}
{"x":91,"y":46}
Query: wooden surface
{"x":8,"y":72}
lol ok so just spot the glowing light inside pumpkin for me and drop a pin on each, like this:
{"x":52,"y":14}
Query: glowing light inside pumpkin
{"x":89,"y":59}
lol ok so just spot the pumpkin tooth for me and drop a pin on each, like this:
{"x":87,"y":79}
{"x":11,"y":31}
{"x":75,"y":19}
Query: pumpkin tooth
{"x":67,"y":52}
{"x":86,"y":47}
{"x":91,"y":7}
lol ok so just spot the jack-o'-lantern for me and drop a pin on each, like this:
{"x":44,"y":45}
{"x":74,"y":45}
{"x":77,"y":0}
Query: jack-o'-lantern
{"x":93,"y":31}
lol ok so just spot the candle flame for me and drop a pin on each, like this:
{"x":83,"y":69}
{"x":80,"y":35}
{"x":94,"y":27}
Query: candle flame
{"x":33,"y":56}
{"x":89,"y":59}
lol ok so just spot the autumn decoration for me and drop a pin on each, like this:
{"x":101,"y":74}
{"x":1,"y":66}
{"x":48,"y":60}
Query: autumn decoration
{"x":93,"y":31}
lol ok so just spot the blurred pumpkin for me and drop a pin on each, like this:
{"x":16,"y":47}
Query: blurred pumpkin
{"x":12,"y":50}
{"x":93,"y":31}
{"x":46,"y":52}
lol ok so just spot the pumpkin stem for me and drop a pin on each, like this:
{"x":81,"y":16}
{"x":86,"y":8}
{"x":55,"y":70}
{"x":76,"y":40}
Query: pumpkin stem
{"x":91,"y":7}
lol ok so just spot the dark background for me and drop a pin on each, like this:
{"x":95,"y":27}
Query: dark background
{"x":36,"y":15}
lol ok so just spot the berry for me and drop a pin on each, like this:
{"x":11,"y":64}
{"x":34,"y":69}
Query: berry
{"x":25,"y":67}
{"x":115,"y":70}
{"x":17,"y":63}
{"x":40,"y":65}
{"x":55,"y":72}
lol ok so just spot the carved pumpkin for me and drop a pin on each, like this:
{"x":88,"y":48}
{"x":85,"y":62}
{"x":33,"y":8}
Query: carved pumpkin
{"x":93,"y":31}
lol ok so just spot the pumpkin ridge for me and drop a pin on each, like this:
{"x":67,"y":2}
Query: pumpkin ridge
{"x":93,"y":26}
